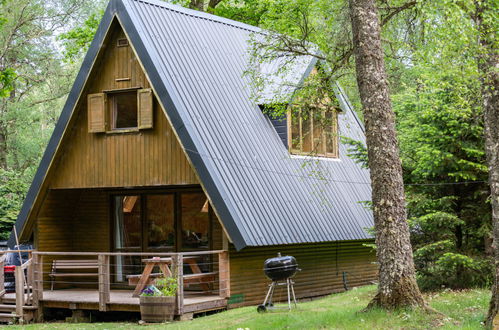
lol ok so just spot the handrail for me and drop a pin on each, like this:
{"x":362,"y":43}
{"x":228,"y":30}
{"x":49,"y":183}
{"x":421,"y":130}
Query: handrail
{"x":145,"y":254}
{"x":3,"y":252}
{"x":26,"y":264}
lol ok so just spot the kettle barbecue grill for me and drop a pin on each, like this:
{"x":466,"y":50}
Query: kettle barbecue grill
{"x":279,"y":269}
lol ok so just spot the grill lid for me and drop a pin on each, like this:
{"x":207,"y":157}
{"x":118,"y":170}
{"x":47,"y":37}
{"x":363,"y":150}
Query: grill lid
{"x":280,"y":268}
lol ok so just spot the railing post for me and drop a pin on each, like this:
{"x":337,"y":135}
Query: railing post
{"x":35,"y":297}
{"x":104,"y":282}
{"x":19,"y":278}
{"x":2,"y":278}
{"x":224,"y":274}
{"x":178,"y":272}
{"x":29,"y":283}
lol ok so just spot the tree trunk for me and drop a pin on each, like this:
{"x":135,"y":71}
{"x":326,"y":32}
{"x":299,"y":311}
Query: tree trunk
{"x":488,"y":65}
{"x":397,"y":280}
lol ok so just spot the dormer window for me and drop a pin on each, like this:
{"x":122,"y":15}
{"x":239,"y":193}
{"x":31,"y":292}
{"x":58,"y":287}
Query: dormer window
{"x":313,"y":132}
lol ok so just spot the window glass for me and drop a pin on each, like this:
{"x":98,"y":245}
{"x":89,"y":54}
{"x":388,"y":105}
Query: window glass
{"x":195,"y":221}
{"x":306,"y":125}
{"x":128,"y":222}
{"x":314,"y":132}
{"x":160,"y":221}
{"x":123,"y":109}
{"x":318,"y":137}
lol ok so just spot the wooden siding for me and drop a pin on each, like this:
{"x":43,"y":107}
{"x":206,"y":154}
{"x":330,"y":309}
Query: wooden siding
{"x":148,"y":157}
{"x":322,"y":270}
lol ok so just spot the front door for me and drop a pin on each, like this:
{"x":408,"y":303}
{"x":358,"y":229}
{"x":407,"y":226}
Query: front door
{"x":158,"y":222}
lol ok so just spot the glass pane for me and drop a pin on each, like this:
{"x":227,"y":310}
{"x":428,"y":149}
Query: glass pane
{"x":195,"y":221}
{"x":295,"y":130}
{"x":124,"y":107}
{"x":318,"y":119}
{"x":160,"y":221}
{"x":331,"y":133}
{"x":306,"y":122}
{"x":128,"y":224}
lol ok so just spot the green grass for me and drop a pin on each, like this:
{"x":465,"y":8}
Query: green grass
{"x":462,"y":310}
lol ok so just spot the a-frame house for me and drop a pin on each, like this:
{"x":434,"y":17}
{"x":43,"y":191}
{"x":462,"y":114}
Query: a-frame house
{"x":161,"y":150}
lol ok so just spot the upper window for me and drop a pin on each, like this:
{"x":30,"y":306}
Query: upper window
{"x":314,"y":132}
{"x":123,"y":110}
{"x":120,"y":110}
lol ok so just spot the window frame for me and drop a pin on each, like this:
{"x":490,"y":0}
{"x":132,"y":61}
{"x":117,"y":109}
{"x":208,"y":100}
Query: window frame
{"x":313,"y":153}
{"x":111,"y":109}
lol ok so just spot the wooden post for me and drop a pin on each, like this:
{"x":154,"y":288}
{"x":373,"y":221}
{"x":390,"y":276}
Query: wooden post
{"x":29,"y":283}
{"x":178,"y":271}
{"x":35,"y":281}
{"x":19,"y":278}
{"x":104,"y":282}
{"x":2,"y":278}
{"x":224,"y":274}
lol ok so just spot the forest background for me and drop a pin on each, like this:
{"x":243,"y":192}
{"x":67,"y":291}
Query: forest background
{"x":432,"y":63}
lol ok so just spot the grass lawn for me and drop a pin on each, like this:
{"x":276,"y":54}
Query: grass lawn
{"x":463,"y":310}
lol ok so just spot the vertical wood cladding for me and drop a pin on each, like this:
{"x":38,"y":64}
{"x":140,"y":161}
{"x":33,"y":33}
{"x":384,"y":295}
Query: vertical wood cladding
{"x":322,"y":266}
{"x":72,"y":220}
{"x":147,"y":157}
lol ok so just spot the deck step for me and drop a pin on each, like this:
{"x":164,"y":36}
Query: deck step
{"x":7,"y":306}
{"x":7,"y":317}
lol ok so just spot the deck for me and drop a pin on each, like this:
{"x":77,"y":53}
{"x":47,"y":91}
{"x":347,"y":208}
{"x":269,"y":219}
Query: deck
{"x":205,"y":287}
{"x":120,"y":300}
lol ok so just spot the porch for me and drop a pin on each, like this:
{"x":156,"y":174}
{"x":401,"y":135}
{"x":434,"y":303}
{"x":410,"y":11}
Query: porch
{"x":99,"y":292}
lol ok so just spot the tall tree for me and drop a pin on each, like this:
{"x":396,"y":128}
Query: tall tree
{"x":397,"y":279}
{"x":488,"y":65}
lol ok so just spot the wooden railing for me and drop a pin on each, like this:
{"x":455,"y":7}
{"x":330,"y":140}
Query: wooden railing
{"x":104,"y":272}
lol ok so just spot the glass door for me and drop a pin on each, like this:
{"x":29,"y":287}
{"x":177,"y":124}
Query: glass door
{"x":127,"y":233}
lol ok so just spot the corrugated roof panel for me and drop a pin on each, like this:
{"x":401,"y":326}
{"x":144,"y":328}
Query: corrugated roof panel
{"x":273,"y":197}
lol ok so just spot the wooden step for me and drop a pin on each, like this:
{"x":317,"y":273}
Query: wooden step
{"x":7,"y":307}
{"x":7,"y":317}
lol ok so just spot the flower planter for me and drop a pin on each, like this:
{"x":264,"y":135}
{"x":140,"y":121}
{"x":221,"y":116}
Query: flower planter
{"x":157,"y":309}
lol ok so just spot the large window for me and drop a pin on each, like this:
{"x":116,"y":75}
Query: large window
{"x":314,"y":132}
{"x":166,"y":222}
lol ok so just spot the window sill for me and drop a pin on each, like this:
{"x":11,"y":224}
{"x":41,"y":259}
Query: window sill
{"x":122,"y":131}
{"x":309,"y":157}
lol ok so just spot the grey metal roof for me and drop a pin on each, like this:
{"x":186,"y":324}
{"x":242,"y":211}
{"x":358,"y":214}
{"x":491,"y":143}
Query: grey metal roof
{"x":264,"y":196}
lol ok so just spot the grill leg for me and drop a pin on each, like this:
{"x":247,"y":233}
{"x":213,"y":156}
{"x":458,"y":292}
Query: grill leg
{"x":293,"y":292}
{"x":289,"y":295}
{"x":269,"y":295}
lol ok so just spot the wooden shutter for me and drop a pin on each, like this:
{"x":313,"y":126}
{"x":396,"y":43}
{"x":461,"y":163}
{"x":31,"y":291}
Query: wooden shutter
{"x":145,"y":105}
{"x":96,"y":113}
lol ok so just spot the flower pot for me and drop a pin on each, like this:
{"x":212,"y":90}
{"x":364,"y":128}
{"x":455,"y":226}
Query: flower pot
{"x":157,"y":309}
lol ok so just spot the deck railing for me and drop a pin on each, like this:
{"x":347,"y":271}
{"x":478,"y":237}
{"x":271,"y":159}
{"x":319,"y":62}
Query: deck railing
{"x":221,"y":285}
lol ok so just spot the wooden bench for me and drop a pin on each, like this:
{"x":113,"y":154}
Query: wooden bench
{"x":62,"y":268}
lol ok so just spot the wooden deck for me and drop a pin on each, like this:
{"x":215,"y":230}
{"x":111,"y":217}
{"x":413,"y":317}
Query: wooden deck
{"x":120,"y":300}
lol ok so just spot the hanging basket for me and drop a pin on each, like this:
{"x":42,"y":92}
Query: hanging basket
{"x":157,"y":309}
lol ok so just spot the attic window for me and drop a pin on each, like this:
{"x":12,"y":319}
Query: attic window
{"x":120,"y":110}
{"x":314,"y":132}
{"x":122,"y":42}
{"x":123,"y":110}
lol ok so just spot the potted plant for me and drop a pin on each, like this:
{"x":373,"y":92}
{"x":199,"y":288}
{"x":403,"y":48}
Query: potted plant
{"x":157,"y":302}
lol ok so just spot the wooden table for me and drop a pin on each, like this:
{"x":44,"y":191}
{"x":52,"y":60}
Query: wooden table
{"x":163,"y":264}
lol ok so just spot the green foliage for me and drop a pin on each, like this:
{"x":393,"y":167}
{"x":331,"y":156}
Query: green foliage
{"x":77,"y":40}
{"x":167,"y":286}
{"x":7,"y":77}
{"x":13,"y":187}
